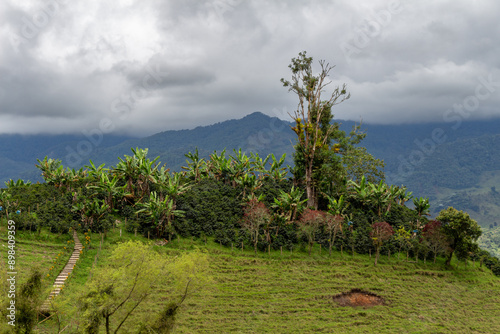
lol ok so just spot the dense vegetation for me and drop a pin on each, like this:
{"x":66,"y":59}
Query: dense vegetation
{"x":209,"y":200}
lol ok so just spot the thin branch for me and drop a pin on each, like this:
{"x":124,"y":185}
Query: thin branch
{"x":130,"y":312}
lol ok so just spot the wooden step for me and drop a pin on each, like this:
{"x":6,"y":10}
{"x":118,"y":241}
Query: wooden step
{"x":63,"y":275}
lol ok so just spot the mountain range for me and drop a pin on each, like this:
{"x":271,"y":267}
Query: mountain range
{"x":452,"y":164}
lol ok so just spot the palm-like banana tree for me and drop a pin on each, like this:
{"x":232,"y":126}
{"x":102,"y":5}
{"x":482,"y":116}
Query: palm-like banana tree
{"x":93,"y":171}
{"x":337,"y":206}
{"x":110,"y":189}
{"x":219,"y":166}
{"x":162,"y":213}
{"x":48,"y":168}
{"x":147,"y":170}
{"x":197,"y":167}
{"x":249,"y":182}
{"x":71,"y":178}
{"x":380,"y":196}
{"x":290,"y":205}
{"x":239,"y":166}
{"x":161,"y":177}
{"x":277,"y":171}
{"x":422,"y":206}
{"x":258,"y":165}
{"x":137,"y":171}
{"x":362,"y":190}
{"x":16,"y":184}
{"x":127,"y":169}
{"x":175,"y":186}
{"x":91,"y":211}
{"x":405,"y":196}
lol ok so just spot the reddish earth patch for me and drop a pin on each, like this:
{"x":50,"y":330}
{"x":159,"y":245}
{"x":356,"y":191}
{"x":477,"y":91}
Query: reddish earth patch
{"x":357,"y":297}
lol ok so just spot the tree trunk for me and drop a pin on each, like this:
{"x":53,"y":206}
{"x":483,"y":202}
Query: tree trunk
{"x":376,"y":255}
{"x":311,"y":198}
{"x":107,"y":324}
{"x":448,"y":260}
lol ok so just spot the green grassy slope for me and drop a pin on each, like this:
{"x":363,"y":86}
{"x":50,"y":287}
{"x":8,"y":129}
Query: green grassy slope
{"x":283,"y":294}
{"x":291,"y":291}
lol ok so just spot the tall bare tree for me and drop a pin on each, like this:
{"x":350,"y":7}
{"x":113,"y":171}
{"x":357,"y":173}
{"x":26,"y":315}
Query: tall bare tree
{"x":313,"y":115}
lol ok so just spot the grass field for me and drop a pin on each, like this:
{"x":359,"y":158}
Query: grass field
{"x":46,"y":251}
{"x":293,"y":292}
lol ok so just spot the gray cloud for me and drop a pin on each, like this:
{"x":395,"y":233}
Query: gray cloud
{"x":153,"y":66}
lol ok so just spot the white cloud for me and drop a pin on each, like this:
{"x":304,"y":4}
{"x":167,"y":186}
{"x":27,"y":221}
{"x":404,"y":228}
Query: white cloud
{"x":66,"y":65}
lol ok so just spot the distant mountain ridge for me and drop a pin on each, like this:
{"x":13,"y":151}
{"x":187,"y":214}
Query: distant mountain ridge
{"x":465,"y":165}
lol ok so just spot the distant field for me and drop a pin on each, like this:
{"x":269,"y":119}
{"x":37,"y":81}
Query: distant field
{"x":293,"y":292}
{"x":479,"y":201}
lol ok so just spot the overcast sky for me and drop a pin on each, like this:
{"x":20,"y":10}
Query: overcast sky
{"x":139,"y":67}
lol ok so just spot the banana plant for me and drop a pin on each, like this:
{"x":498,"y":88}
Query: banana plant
{"x":249,"y":182}
{"x":219,"y":166}
{"x":197,"y":167}
{"x":162,"y":213}
{"x":18,"y":183}
{"x":48,"y":168}
{"x":110,"y":189}
{"x":422,"y":206}
{"x":404,"y":195}
{"x":137,"y":171}
{"x":254,"y":198}
{"x":338,"y":206}
{"x":258,"y":164}
{"x":240,"y":165}
{"x":93,"y":171}
{"x":277,"y":172}
{"x":290,"y":204}
{"x":147,"y":170}
{"x":175,"y":186}
{"x":362,"y":190}
{"x":381,"y":197}
{"x":91,"y":211}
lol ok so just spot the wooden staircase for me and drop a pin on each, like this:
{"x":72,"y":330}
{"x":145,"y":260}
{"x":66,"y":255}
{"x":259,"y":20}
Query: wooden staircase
{"x":63,"y":275}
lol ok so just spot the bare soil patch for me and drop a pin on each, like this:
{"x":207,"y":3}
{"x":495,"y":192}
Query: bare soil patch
{"x":358,"y":297}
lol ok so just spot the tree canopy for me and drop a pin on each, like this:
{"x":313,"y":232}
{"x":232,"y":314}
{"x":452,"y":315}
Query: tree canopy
{"x":461,"y":230}
{"x":325,"y":156}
